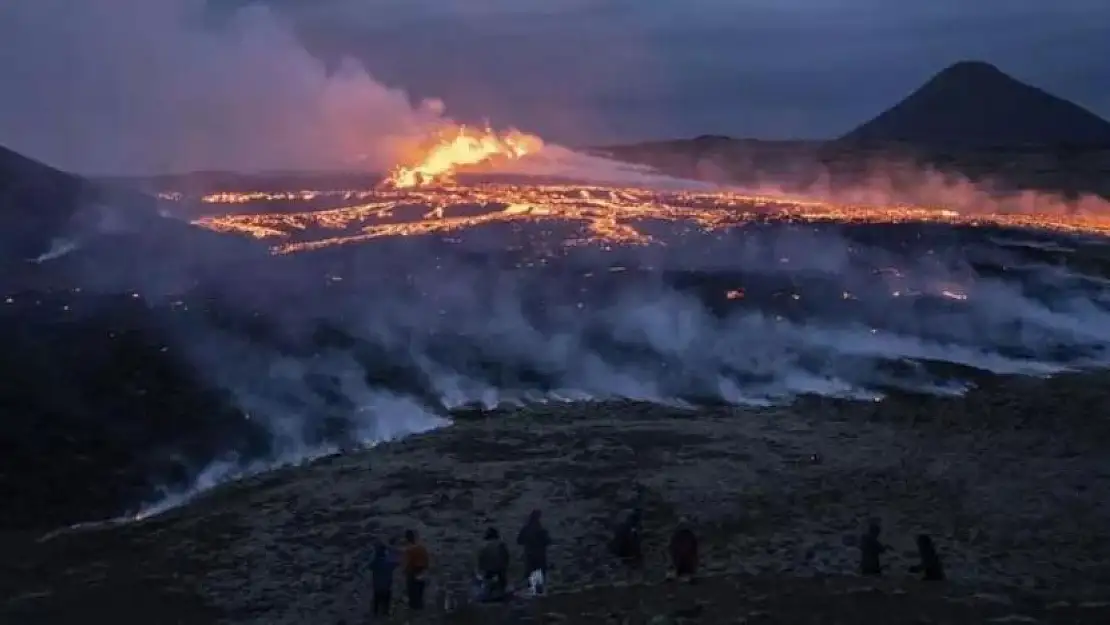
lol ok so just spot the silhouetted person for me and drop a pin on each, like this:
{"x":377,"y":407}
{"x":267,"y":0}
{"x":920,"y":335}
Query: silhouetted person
{"x":930,"y":566}
{"x":534,"y":539}
{"x":493,"y":564}
{"x":684,"y":550}
{"x":870,"y":549}
{"x":415,"y":562}
{"x":382,"y":566}
{"x":628,"y":540}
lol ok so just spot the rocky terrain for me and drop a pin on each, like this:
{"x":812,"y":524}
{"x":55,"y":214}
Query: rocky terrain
{"x":1011,"y":480}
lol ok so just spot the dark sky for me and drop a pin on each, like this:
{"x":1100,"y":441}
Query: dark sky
{"x":130,"y":86}
{"x":631,"y":69}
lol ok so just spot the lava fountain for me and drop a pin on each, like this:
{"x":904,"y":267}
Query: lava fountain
{"x":459,"y":147}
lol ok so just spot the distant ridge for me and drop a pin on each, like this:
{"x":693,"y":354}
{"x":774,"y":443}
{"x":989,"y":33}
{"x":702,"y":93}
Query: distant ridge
{"x":973,"y":104}
{"x":36,"y":201}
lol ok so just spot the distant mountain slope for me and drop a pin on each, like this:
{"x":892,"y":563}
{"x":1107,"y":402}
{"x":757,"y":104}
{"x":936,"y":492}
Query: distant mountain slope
{"x":36,"y":202}
{"x":974,"y":104}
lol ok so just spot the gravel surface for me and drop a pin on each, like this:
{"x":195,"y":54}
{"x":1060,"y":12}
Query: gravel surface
{"x":1011,"y":481}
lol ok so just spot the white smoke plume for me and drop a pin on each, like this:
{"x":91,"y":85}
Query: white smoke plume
{"x":157,"y":86}
{"x":142,"y":87}
{"x":883,"y":179}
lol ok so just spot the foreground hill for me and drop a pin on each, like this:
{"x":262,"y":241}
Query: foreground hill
{"x":973,"y":104}
{"x":36,"y":203}
{"x":768,"y":600}
{"x":1012,"y":481}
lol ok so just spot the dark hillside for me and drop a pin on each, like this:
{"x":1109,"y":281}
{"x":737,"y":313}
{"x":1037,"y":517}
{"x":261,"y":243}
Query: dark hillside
{"x":974,"y":104}
{"x":36,"y":202}
{"x":98,"y":406}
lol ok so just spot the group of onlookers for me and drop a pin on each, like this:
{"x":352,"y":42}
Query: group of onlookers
{"x":414,"y":563}
{"x":871,"y":550}
{"x":491,"y":581}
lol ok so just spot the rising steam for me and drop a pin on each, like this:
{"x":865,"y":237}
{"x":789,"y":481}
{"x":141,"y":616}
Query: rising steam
{"x":391,"y":337}
{"x":138,"y":87}
{"x":157,"y":86}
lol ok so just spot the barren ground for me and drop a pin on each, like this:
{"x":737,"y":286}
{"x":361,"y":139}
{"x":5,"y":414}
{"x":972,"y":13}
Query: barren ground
{"x":1012,"y":481}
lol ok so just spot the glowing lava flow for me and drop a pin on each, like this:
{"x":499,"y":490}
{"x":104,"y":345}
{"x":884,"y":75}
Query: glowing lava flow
{"x":460,"y":147}
{"x":422,"y":198}
{"x":602,"y":215}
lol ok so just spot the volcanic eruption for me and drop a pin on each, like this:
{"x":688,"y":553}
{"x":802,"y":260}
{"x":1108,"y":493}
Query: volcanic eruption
{"x":388,"y":306}
{"x":784,"y":363}
{"x":457,"y":147}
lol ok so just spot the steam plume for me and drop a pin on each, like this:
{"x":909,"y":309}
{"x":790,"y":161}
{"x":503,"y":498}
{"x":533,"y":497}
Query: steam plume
{"x":156,"y":86}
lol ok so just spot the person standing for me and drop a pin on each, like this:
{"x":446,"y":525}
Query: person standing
{"x":870,"y":550}
{"x":382,"y":565}
{"x":534,"y":539}
{"x":493,"y":565}
{"x":627,"y":543}
{"x":415,"y":563}
{"x":930,"y":567}
{"x":684,"y":551}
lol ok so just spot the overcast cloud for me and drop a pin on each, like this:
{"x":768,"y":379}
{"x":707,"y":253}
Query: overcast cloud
{"x":115,"y":86}
{"x":631,"y":69}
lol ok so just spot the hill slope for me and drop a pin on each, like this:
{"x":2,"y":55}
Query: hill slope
{"x":36,"y":202}
{"x":1013,"y":499}
{"x":97,"y":406}
{"x":974,"y":104}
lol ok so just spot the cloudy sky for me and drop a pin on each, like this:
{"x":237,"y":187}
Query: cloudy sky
{"x":146,"y":86}
{"x":659,"y":68}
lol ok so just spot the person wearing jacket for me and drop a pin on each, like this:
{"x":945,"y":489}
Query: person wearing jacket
{"x":414,"y":565}
{"x":870,"y":550}
{"x":930,"y":567}
{"x":534,"y":540}
{"x":627,"y":542}
{"x":382,"y":565}
{"x":493,"y":565}
{"x":684,"y":550}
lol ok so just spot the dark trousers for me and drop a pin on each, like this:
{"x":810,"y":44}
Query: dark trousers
{"x":685,"y":566}
{"x":496,"y":581}
{"x":382,"y":599}
{"x":633,"y":558}
{"x":415,"y":588}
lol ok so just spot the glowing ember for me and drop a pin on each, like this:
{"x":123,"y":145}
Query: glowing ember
{"x":607,"y":215}
{"x":461,"y":147}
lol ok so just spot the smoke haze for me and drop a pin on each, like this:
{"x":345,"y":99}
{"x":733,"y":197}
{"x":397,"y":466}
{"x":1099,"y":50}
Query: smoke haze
{"x":156,"y":86}
{"x":354,"y":345}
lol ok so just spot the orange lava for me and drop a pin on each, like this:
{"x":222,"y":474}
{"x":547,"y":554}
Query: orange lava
{"x":603,"y":215}
{"x":459,"y":147}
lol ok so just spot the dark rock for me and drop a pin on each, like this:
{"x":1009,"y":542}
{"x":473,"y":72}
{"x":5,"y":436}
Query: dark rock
{"x":974,"y":104}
